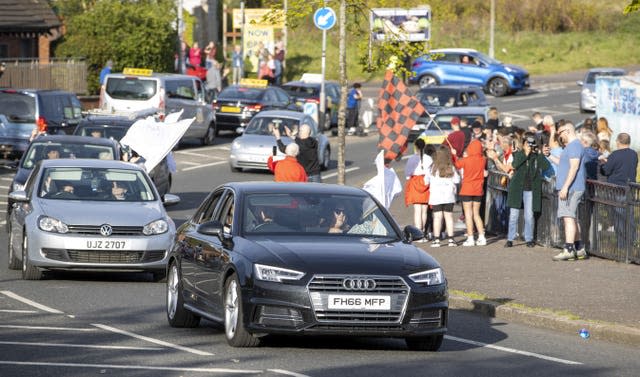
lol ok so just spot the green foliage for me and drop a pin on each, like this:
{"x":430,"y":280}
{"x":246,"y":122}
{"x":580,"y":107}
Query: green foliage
{"x":633,"y":6}
{"x":131,"y":33}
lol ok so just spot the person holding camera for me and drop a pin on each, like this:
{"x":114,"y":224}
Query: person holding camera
{"x":525,"y":189}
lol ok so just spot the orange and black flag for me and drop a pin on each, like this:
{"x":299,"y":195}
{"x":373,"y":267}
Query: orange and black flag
{"x":399,"y":111}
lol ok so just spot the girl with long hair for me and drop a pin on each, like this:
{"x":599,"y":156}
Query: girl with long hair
{"x":442,"y":180}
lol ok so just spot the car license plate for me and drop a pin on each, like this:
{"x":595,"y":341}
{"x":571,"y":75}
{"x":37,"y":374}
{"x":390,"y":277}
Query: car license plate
{"x":98,"y":244}
{"x":359,"y":302}
{"x":229,"y":109}
{"x":258,"y":158}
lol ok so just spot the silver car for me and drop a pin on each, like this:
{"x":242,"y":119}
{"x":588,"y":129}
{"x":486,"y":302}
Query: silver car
{"x":588,"y":92}
{"x":253,"y":148}
{"x":87,"y":215}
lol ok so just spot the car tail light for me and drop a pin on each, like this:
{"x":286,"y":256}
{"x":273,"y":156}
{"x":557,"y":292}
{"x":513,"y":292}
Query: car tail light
{"x":215,"y":105}
{"x":253,"y":108}
{"x":313,"y":100}
{"x":42,"y":124}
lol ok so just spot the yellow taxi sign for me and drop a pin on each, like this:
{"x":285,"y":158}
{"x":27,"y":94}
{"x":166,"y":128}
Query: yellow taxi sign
{"x":137,"y":71}
{"x":254,"y":82}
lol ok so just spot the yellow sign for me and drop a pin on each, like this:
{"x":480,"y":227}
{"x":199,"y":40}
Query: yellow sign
{"x":137,"y":71}
{"x":254,"y":82}
{"x":256,"y":16}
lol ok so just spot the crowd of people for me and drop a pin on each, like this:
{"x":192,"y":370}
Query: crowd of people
{"x":440,"y":176}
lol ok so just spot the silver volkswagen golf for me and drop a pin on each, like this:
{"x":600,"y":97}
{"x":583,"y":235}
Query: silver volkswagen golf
{"x":88,"y":215}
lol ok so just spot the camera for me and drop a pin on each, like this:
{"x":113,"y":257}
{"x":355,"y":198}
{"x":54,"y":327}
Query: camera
{"x":533,"y":144}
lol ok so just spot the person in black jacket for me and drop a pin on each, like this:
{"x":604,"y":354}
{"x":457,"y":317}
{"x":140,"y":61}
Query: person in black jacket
{"x":621,"y":165}
{"x":308,"y":155}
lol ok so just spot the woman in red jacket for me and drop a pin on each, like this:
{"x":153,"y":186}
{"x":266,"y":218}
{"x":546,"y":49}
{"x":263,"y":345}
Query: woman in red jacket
{"x":473,"y":171}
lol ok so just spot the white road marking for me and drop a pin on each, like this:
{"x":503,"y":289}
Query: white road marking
{"x":31,"y":303}
{"x":17,"y":311}
{"x":204,"y":165}
{"x":336,"y":173}
{"x":212,"y":148}
{"x":83,"y":346}
{"x":516,"y":116}
{"x":288,"y":373}
{"x":4,"y":187}
{"x":539,"y":95}
{"x":512,"y":350}
{"x":152,"y":340}
{"x":574,"y":91}
{"x":80,"y":329}
{"x":197,"y":154}
{"x":190,"y":163}
{"x":133,"y":367}
{"x":6,"y":179}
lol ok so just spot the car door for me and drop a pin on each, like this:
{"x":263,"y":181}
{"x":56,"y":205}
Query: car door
{"x":20,"y":211}
{"x":189,"y":245}
{"x":181,"y":95}
{"x":476,"y":72}
{"x":212,"y":257}
{"x":447,"y":67}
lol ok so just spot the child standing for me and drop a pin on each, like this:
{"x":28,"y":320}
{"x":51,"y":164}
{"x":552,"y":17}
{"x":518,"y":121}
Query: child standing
{"x":442,"y":180}
{"x":416,"y":191}
{"x":473,"y":175}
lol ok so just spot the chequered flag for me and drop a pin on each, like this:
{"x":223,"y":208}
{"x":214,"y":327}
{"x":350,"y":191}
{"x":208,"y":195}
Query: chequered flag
{"x":399,"y":111}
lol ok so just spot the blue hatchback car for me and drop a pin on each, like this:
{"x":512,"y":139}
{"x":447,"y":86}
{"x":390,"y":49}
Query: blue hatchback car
{"x":460,"y":66}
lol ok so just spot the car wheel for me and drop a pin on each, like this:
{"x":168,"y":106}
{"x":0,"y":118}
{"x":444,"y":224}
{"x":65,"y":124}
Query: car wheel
{"x":210,"y":136}
{"x":498,"y":87}
{"x":235,"y":170}
{"x":177,"y":315}
{"x":29,"y":272}
{"x":14,"y":263}
{"x":327,"y":120}
{"x":430,"y":343}
{"x":326,"y":159}
{"x":236,"y":334}
{"x":427,"y":81}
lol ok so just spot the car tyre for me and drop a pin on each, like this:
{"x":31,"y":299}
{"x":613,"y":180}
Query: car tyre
{"x":158,"y":276}
{"x":177,"y":315}
{"x":498,"y":87}
{"x":235,"y":170}
{"x":14,"y":263}
{"x":429,"y":343}
{"x":427,"y":81}
{"x":234,"y":331}
{"x":29,"y":272}
{"x":210,"y":135}
{"x":326,"y":159}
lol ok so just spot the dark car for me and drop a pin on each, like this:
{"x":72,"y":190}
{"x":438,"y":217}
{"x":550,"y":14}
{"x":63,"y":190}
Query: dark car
{"x":309,"y":91}
{"x":436,"y":129}
{"x":237,"y":104}
{"x":23,"y":110}
{"x":436,"y":98}
{"x":267,"y":258}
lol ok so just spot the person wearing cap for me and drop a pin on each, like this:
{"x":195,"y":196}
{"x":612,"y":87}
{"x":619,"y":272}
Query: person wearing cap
{"x":455,"y":140}
{"x":477,"y":132}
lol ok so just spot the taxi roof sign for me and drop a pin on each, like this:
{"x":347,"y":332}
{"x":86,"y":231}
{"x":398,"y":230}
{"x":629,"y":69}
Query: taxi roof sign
{"x":137,"y":71}
{"x":254,"y":82}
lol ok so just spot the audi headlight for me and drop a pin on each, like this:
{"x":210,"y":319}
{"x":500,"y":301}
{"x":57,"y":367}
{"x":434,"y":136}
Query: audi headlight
{"x":429,"y":277}
{"x":276,"y":274}
{"x":50,"y":224}
{"x":155,"y":227}
{"x":18,"y":187}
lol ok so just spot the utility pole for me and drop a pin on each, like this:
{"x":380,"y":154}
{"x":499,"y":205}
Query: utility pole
{"x":492,"y":27}
{"x":343,"y":92}
{"x":179,"y":29}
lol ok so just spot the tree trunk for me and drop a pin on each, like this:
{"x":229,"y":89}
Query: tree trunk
{"x":343,"y":92}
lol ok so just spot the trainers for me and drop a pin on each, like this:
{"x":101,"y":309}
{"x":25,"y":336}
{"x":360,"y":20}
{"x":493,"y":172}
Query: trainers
{"x":481,"y":241}
{"x":582,"y":254}
{"x":421,"y":240}
{"x":452,"y":242}
{"x":469,"y":242}
{"x":508,"y":244}
{"x":565,"y":255}
{"x":429,"y":236}
{"x":435,"y":243}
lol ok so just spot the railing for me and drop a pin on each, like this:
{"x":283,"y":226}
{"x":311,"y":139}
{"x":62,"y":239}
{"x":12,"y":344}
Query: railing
{"x":609,"y":217}
{"x":68,"y":74}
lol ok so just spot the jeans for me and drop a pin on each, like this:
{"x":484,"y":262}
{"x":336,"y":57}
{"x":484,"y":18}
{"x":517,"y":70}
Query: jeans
{"x":316,"y":178}
{"x":514,"y":213}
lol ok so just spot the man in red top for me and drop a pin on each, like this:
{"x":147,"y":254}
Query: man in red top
{"x":288,"y":169}
{"x":455,"y":140}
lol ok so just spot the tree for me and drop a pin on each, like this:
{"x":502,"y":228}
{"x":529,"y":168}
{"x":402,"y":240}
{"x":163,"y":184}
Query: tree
{"x":132,"y":33}
{"x":633,"y":6}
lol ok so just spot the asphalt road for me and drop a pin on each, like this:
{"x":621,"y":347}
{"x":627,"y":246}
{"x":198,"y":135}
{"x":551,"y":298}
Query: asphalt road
{"x":81,"y":324}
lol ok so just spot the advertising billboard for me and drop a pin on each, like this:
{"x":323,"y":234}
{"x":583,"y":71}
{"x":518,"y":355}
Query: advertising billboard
{"x":618,"y":100}
{"x":413,"y":25}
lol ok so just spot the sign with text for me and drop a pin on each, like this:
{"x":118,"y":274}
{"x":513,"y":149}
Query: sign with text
{"x":618,"y":100}
{"x":413,"y":25}
{"x":256,"y":39}
{"x":258,"y":16}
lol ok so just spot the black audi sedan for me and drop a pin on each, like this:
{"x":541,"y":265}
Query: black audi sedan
{"x":304,"y":259}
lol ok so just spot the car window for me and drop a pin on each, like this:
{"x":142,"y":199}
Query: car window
{"x":131,"y":88}
{"x":282,"y":96}
{"x":226,"y":213}
{"x":45,"y":150}
{"x":113,"y":132}
{"x":314,"y":214}
{"x":264,"y":125}
{"x":18,"y":107}
{"x":270,"y":96}
{"x":182,"y":89}
{"x":239,"y":93}
{"x":591,"y":76}
{"x":206,"y":210}
{"x":77,"y":107}
{"x":437,"y":97}
{"x":95,"y":184}
{"x":447,"y":57}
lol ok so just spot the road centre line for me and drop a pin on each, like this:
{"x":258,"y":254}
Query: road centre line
{"x":516,"y":116}
{"x":574,"y":91}
{"x":539,"y":95}
{"x":38,"y":344}
{"x":18,"y":311}
{"x":287,"y":373}
{"x":186,"y":153}
{"x":336,"y":173}
{"x":205,"y":165}
{"x":4,"y":187}
{"x":80,"y":329}
{"x":512,"y":350}
{"x":190,"y":163}
{"x":9,"y":179}
{"x":31,"y":303}
{"x":152,"y":340}
{"x":213,"y":148}
{"x":135,"y":367}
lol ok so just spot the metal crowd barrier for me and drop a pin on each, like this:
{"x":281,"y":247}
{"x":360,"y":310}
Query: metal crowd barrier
{"x":609,"y":217}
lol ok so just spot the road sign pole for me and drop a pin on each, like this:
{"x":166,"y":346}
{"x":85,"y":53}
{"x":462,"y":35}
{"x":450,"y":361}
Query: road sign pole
{"x":322,"y":94}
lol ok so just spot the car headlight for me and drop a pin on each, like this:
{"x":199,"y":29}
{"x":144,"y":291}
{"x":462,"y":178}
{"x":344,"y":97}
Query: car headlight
{"x":276,"y":274}
{"x":236,"y":145}
{"x":429,"y":277}
{"x":155,"y":227}
{"x":586,"y":92}
{"x":509,"y":69}
{"x":50,"y":224}
{"x":18,"y":186}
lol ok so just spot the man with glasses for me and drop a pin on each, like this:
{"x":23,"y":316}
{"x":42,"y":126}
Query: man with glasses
{"x":570,"y":183}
